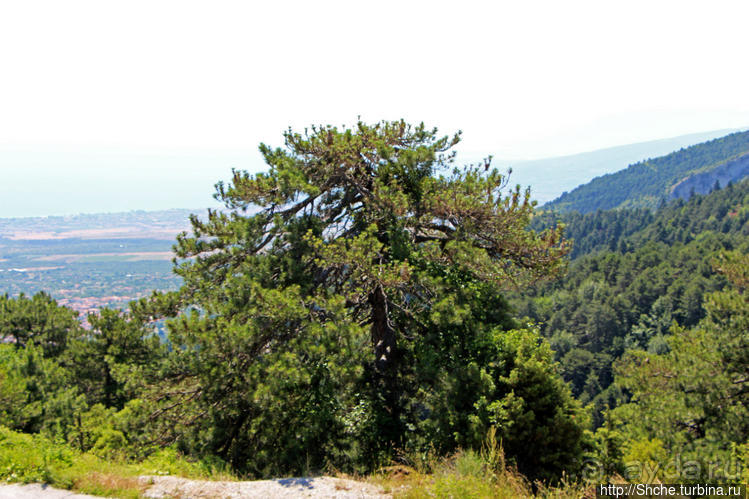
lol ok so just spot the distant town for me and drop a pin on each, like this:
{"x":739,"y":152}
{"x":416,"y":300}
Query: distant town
{"x":91,"y":261}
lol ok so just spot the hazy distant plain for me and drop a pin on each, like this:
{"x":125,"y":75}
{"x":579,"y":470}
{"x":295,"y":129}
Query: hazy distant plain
{"x":43,"y":181}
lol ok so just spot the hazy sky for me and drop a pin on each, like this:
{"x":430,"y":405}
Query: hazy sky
{"x":521,"y":79}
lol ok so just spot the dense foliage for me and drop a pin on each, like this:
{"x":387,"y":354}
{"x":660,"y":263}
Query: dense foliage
{"x":357,"y":318}
{"x":597,"y":231}
{"x":36,"y":321}
{"x":727,"y":211}
{"x":366,"y":302}
{"x":627,"y":293}
{"x":651,"y":317}
{"x":359,"y":312}
{"x":647,"y":183}
{"x":692,"y":400}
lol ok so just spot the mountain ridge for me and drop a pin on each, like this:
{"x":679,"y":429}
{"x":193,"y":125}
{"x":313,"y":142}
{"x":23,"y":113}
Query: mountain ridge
{"x":649,"y":182}
{"x":703,"y":182}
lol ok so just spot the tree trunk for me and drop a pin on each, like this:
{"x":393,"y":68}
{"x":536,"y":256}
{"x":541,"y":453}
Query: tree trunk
{"x":386,"y":360}
{"x":383,"y":334}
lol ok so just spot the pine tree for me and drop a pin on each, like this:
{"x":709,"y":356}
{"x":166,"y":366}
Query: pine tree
{"x":695,"y":396}
{"x":358,"y":307}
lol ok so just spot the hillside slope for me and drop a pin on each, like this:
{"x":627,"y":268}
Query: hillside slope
{"x":724,"y":210}
{"x":550,"y":177}
{"x":633,"y":273}
{"x":645,"y":184}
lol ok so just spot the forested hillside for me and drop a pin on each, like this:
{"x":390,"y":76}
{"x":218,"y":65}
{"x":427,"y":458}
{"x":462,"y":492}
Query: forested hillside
{"x":678,"y":221}
{"x":634,"y":274}
{"x":650,"y":326}
{"x":648,"y":183}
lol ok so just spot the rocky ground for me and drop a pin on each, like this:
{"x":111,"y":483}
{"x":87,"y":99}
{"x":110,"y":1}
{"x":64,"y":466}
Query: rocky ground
{"x":175,"y":487}
{"x":34,"y":490}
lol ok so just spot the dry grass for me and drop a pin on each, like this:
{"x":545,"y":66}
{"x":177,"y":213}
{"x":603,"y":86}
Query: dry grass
{"x":110,"y":485}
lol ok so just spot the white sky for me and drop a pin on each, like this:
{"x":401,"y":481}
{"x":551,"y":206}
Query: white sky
{"x":522,"y":79}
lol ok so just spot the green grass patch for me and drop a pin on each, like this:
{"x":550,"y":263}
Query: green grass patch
{"x":33,"y":458}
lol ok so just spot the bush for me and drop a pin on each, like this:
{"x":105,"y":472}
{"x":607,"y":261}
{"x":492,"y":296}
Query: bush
{"x":26,"y":458}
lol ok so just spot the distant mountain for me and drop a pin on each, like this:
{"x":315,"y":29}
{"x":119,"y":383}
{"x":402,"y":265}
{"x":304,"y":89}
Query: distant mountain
{"x":550,"y":177}
{"x":679,"y":174}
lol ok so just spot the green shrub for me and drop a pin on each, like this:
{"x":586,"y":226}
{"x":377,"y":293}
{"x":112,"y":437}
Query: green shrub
{"x":26,"y":458}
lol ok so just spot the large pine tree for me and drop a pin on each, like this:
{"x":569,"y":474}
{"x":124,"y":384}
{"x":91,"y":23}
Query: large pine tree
{"x":347,"y":304}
